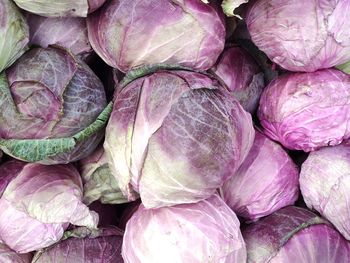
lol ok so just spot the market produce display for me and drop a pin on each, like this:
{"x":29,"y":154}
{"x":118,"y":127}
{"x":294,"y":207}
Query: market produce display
{"x":174,"y":131}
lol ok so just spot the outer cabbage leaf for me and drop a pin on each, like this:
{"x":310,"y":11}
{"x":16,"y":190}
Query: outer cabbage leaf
{"x":306,"y":111}
{"x":59,"y":8}
{"x":99,"y":182}
{"x":8,"y":171}
{"x":301,"y":35}
{"x":294,"y":234}
{"x":207,"y":231}
{"x":266,"y":181}
{"x":175,"y":137}
{"x":36,"y":235}
{"x":325,"y":185}
{"x":51,"y":108}
{"x":8,"y":255}
{"x":14,"y":34}
{"x":43,"y":200}
{"x":186,"y":32}
{"x":242,"y":75}
{"x":106,"y":247}
{"x":68,"y":32}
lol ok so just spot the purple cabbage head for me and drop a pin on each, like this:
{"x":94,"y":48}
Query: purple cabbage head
{"x":301,"y":35}
{"x":266,"y":181}
{"x":207,"y":231}
{"x":294,"y":234}
{"x":67,"y":32}
{"x":7,"y":255}
{"x":306,"y":111}
{"x":99,"y":182}
{"x":14,"y":34}
{"x":106,"y":247}
{"x":242,"y":75}
{"x":175,"y":137}
{"x":325,"y":185}
{"x":59,"y":8}
{"x":131,"y":33}
{"x":49,"y":105}
{"x":43,"y":201}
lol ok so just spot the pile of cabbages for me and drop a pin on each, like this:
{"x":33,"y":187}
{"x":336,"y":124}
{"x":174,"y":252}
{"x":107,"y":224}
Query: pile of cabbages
{"x":174,"y":131}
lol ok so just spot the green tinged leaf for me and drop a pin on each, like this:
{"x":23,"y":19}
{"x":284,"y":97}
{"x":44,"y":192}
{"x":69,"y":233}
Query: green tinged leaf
{"x":84,"y":232}
{"x":36,"y":150}
{"x":14,"y":34}
{"x":102,"y":185}
{"x":312,"y":221}
{"x":40,"y":149}
{"x":98,"y":124}
{"x":229,"y":6}
{"x":81,"y":232}
{"x":147,"y":70}
{"x":344,"y":67}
